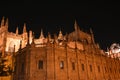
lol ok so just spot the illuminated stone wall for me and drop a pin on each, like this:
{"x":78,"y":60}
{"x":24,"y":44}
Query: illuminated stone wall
{"x":96,"y":65}
{"x":75,"y":56}
{"x":9,"y":39}
{"x":65,"y":60}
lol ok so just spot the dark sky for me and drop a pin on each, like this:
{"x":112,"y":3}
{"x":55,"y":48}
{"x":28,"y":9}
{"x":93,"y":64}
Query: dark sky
{"x":101,"y":16}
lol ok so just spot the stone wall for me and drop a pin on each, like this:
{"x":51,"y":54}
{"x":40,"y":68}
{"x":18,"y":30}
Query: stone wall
{"x":77,"y":65}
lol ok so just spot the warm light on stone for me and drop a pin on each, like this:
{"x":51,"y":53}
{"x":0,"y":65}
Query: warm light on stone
{"x":75,"y":56}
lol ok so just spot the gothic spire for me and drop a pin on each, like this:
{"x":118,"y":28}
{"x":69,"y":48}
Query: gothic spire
{"x":3,"y":21}
{"x":17,"y":31}
{"x":76,"y":30}
{"x":60,"y":36}
{"x":91,"y":31}
{"x":75,"y":25}
{"x":92,"y":36}
{"x":76,"y":33}
{"x":55,"y":38}
{"x":33,"y":36}
{"x":41,"y":35}
{"x":6,"y":23}
{"x":49,"y":36}
{"x":24,"y":28}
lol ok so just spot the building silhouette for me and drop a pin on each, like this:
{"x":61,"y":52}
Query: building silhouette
{"x":73,"y":56}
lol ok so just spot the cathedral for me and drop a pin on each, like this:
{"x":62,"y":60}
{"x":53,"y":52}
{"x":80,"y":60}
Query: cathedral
{"x":73,"y":56}
{"x":10,"y":42}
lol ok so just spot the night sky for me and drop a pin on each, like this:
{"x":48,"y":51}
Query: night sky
{"x":101,"y":16}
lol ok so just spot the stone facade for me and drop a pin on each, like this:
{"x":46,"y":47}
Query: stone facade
{"x":10,"y":42}
{"x":74,"y":56}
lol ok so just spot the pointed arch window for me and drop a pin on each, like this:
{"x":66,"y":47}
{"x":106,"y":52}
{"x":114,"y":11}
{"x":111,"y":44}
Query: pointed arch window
{"x":82,"y":65}
{"x":40,"y":64}
{"x":73,"y":65}
{"x":98,"y":68}
{"x":90,"y":68}
{"x":61,"y":64}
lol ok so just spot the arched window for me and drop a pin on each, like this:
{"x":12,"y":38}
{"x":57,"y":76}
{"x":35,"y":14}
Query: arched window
{"x":82,"y":67}
{"x":61,"y":64}
{"x":90,"y":68}
{"x":40,"y":64}
{"x":73,"y":65}
{"x":98,"y":68}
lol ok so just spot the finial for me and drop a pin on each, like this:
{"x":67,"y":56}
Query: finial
{"x":41,"y":34}
{"x":6,"y":23}
{"x":49,"y":36}
{"x":24,"y":28}
{"x":92,"y":36}
{"x":75,"y":25}
{"x":3,"y":21}
{"x":91,"y":31}
{"x":60,"y":36}
{"x":17,"y":31}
